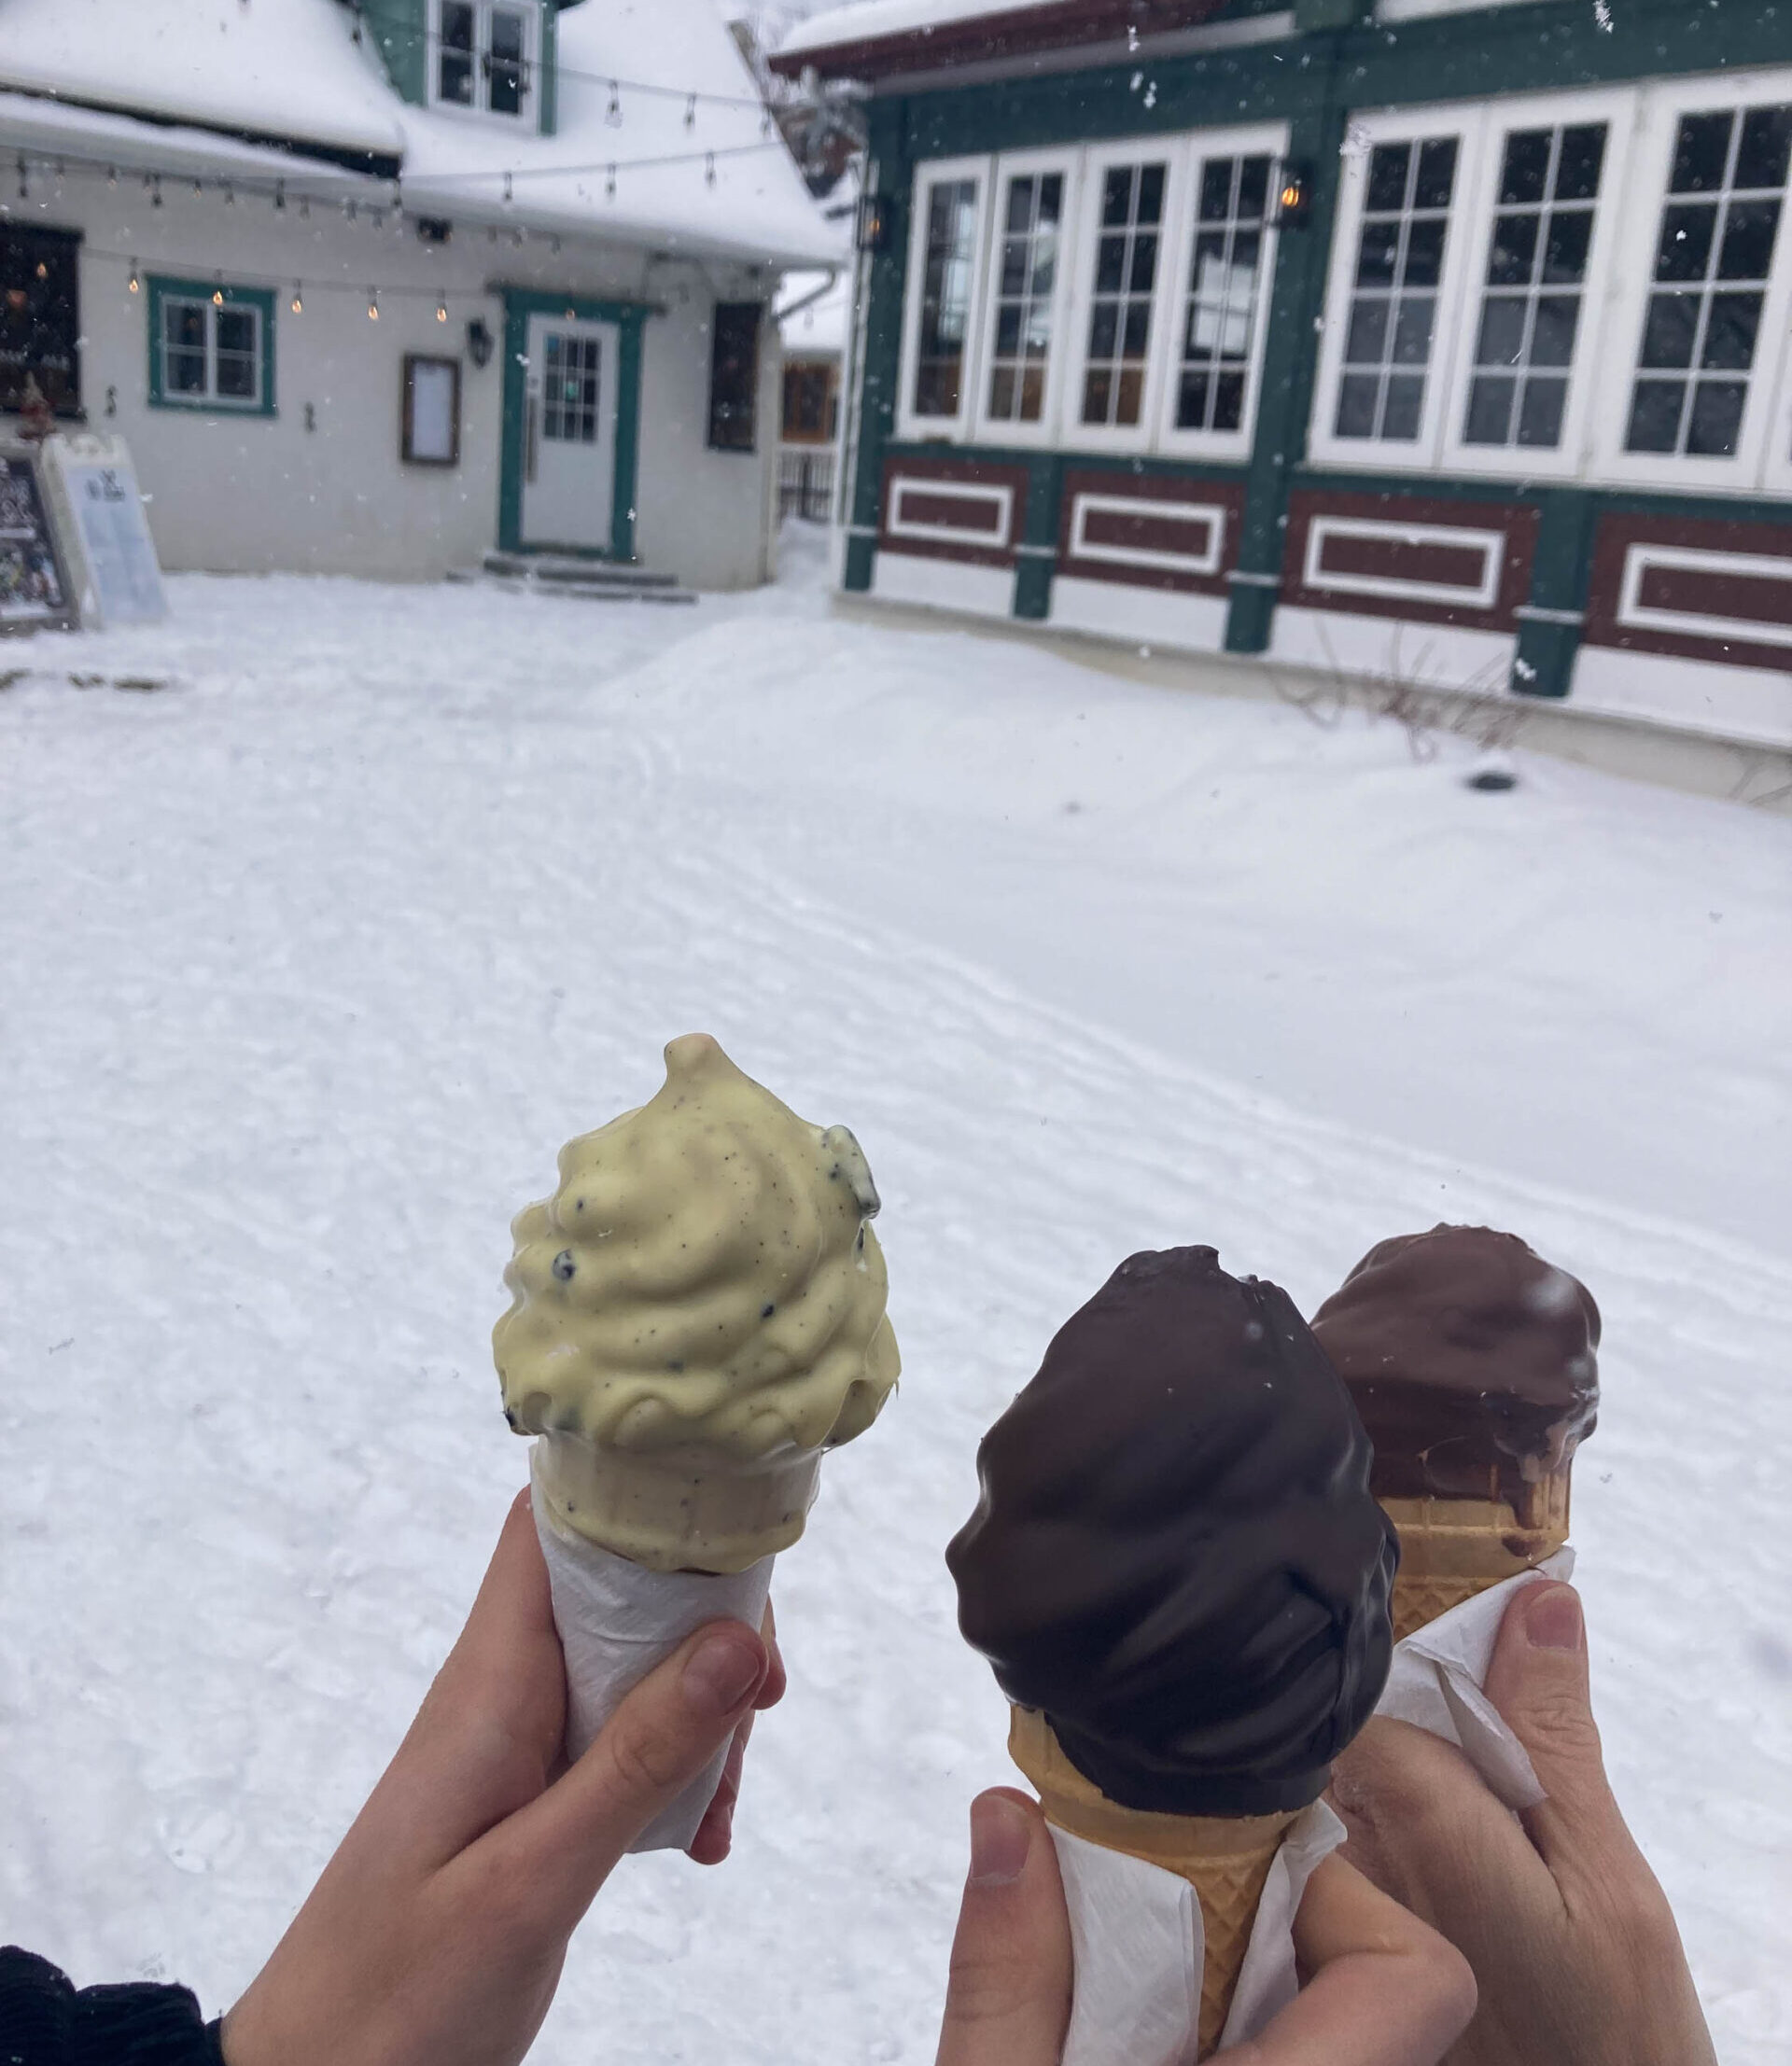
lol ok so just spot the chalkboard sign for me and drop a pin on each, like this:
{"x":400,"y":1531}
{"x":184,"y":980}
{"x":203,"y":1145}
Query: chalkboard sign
{"x":106,"y":547}
{"x":33,"y":590}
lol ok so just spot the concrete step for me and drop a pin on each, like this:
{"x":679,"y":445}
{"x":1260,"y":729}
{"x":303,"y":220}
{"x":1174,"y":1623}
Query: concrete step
{"x":553,"y":572}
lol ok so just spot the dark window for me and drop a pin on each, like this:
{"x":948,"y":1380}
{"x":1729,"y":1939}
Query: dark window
{"x":40,"y":317}
{"x":809,"y":402}
{"x":734,"y":375}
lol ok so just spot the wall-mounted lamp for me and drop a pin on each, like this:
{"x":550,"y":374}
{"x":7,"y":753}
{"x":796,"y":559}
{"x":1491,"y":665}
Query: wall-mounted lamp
{"x":479,"y":342}
{"x":1293,"y":197}
{"x":873,"y":222}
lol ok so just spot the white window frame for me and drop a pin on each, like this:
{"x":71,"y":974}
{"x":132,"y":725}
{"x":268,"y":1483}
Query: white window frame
{"x":1766,"y":413}
{"x":930,"y":172}
{"x":480,"y":109}
{"x":1074,"y":434}
{"x":1244,"y":142}
{"x":1570,"y":457}
{"x":1467,"y":123}
{"x":995,"y":430}
{"x":209,"y":398}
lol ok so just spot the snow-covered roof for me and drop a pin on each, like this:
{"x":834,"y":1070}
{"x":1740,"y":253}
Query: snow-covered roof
{"x":861,"y":21}
{"x":711,"y":176}
{"x":749,"y":200}
{"x":31,"y":122}
{"x":278,"y":69}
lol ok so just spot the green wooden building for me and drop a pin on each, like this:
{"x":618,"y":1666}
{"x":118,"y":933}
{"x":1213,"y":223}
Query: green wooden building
{"x":1442,"y":340}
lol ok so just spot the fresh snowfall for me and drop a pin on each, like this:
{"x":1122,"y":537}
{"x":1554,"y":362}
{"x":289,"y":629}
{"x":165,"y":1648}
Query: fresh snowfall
{"x":328,"y":911}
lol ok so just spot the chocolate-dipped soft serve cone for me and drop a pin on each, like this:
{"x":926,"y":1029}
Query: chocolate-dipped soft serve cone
{"x":1180,"y":1578}
{"x":1472,"y":1362}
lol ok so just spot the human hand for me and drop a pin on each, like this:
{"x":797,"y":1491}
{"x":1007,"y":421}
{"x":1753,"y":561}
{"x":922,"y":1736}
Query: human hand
{"x":436,"y":1934}
{"x":1572,"y":1940}
{"x":1380,"y":1989}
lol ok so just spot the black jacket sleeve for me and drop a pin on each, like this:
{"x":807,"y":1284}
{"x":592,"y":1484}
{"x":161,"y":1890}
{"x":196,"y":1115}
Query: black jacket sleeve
{"x":44,"y":2022}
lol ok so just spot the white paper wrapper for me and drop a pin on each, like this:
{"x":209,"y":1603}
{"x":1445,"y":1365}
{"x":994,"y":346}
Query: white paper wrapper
{"x":1438,"y":1676}
{"x":1135,"y":1933}
{"x":616,"y":1621}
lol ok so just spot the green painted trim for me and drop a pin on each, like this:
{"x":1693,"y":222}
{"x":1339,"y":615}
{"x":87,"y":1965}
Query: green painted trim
{"x":1544,"y":662}
{"x":630,"y":318}
{"x":1310,"y":15}
{"x":400,"y":31}
{"x":1039,"y":526}
{"x":862,"y":554}
{"x":547,"y":90}
{"x":162,"y":288}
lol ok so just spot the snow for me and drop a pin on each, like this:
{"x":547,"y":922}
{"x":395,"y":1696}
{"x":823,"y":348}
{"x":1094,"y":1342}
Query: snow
{"x":823,"y":325}
{"x":317,"y":953}
{"x":278,"y":69}
{"x":29,"y":122}
{"x":287,"y":68}
{"x":757,"y":206}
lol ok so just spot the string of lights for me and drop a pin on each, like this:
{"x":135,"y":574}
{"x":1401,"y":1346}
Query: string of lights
{"x":297,"y":287}
{"x":281,"y":192}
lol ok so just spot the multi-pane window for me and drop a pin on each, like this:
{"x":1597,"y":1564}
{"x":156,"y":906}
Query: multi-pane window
{"x":570,"y":388}
{"x":212,"y":349}
{"x":734,"y":375}
{"x":946,"y":265}
{"x":482,"y":54}
{"x":1536,"y":274}
{"x":1127,"y":234}
{"x":1712,"y":261}
{"x":1026,"y":279}
{"x":40,"y":329}
{"x":1393,"y":320}
{"x":1224,"y":292}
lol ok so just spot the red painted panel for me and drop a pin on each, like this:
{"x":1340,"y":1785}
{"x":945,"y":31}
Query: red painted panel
{"x":1515,"y":520}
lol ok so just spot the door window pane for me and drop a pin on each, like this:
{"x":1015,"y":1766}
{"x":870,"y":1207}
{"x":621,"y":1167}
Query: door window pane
{"x":1026,"y":270}
{"x":1225,"y":287}
{"x":951,"y":218}
{"x":1126,"y":277}
{"x":1391,"y":325}
{"x":1713,"y":255}
{"x":1543,"y":229}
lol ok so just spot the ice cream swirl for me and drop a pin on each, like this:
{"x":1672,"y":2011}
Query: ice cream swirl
{"x":1175,"y":1555}
{"x":705,"y":1279}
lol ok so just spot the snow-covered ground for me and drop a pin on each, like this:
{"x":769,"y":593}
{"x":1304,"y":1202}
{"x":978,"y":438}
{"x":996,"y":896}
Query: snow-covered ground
{"x":312,"y":957}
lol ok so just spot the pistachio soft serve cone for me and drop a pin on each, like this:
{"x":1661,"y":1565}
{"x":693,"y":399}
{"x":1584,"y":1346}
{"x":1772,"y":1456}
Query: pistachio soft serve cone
{"x":697,"y":1315}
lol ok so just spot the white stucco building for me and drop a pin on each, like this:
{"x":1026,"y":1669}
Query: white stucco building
{"x":376,"y":289}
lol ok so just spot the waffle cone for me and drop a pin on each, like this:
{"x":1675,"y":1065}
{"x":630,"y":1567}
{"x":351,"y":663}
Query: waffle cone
{"x":1453,"y":1549}
{"x":1224,"y":1858}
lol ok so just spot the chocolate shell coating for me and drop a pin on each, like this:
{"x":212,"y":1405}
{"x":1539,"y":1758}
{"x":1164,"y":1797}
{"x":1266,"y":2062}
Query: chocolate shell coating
{"x":1176,"y":1554}
{"x":1470,"y":1358}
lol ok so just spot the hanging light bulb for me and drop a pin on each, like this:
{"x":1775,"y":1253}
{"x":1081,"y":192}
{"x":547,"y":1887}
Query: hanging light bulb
{"x":217,"y":292}
{"x":372,"y":305}
{"x":553,"y":245}
{"x":280,"y":197}
{"x":304,"y":208}
{"x":229,"y":195}
{"x":609,"y":182}
{"x":111,"y":176}
{"x":613,"y":113}
{"x":135,"y":284}
{"x":442,"y":309}
{"x":691,"y":111}
{"x":348,"y":211}
{"x":25,"y":184}
{"x":507,"y":189}
{"x":199,"y":188}
{"x":709,"y":168}
{"x":155,"y":190}
{"x":298,"y":300}
{"x":766,"y":123}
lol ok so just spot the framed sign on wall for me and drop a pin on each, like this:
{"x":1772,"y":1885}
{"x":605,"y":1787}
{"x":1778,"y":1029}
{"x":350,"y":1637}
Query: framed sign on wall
{"x":431,"y":411}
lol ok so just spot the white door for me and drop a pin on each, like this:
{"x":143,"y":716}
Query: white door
{"x":569,"y":432}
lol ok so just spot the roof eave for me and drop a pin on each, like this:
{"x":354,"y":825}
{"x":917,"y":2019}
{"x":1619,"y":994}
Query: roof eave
{"x":1051,"y":25}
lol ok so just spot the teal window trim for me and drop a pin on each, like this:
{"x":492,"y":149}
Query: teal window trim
{"x":163,"y":289}
{"x":630,"y":318}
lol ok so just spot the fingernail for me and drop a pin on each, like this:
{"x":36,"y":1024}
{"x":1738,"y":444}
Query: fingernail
{"x":721,"y":1671}
{"x":1554,"y":1620}
{"x":1001,"y":1835}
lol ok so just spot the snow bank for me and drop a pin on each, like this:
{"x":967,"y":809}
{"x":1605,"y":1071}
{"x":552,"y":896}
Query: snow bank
{"x":316,"y":956}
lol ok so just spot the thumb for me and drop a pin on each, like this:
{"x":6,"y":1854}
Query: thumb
{"x":1008,"y":2001}
{"x":566,"y":1842}
{"x":1537,"y":1678}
